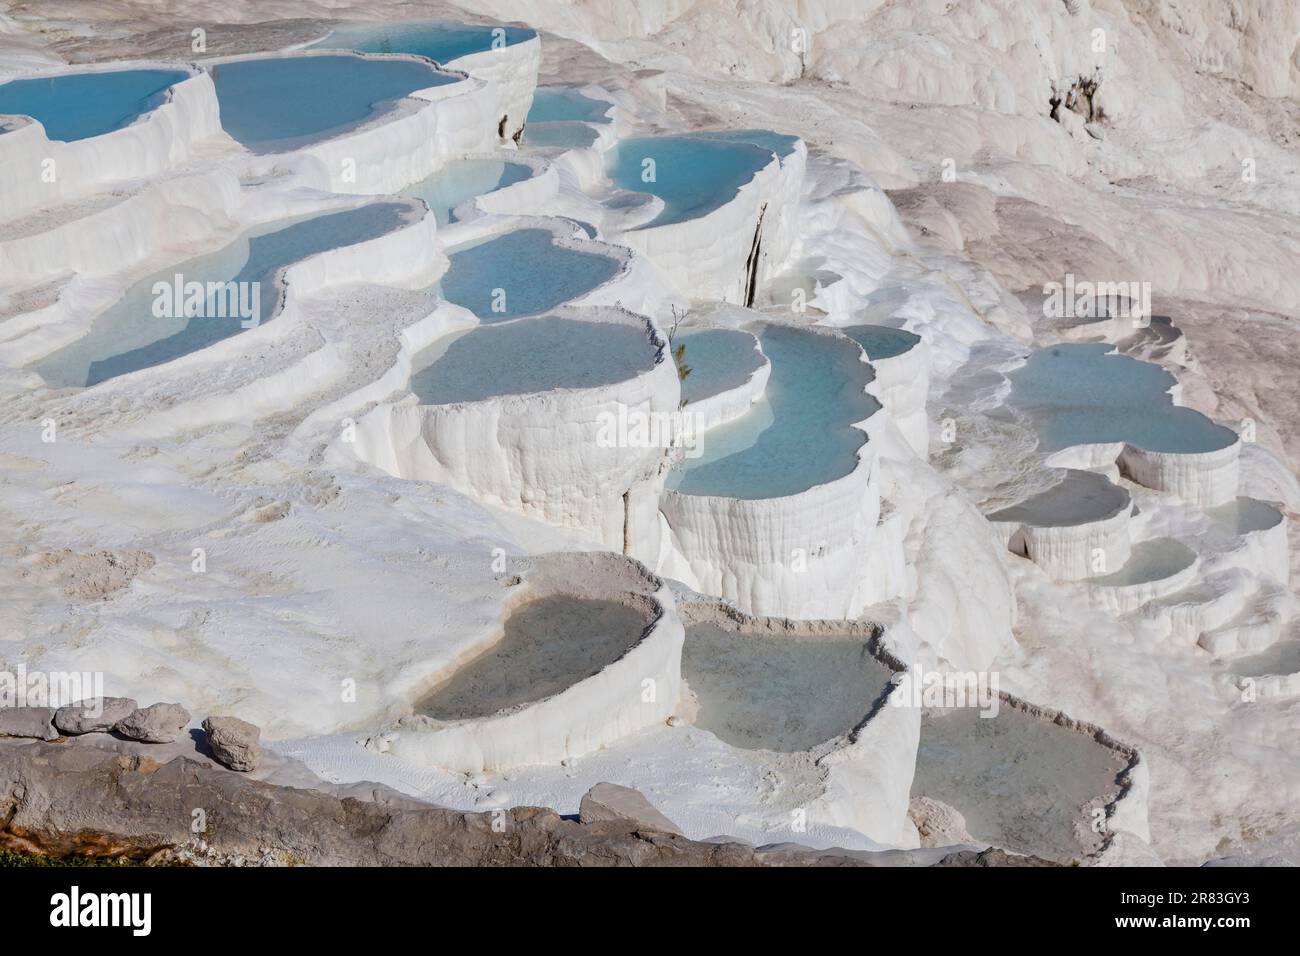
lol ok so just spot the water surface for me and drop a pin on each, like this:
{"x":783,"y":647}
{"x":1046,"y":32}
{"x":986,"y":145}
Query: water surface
{"x":278,"y":103}
{"x":531,"y":355}
{"x":549,"y":645}
{"x":799,"y":433}
{"x":1080,"y":395}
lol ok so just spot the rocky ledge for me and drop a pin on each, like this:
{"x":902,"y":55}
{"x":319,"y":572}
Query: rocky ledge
{"x":64,"y":797}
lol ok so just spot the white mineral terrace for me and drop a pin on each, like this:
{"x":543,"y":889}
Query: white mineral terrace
{"x":655,"y":424}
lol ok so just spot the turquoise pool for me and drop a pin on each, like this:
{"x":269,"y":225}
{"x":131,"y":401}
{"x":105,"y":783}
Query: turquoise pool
{"x":799,"y":434}
{"x":277,"y":103}
{"x":881,"y":341}
{"x":719,"y":360}
{"x":462,"y":180}
{"x":532,"y":272}
{"x":552,"y":103}
{"x":1079,"y":395}
{"x":532,"y":355}
{"x":130,"y":336}
{"x":75,"y":106}
{"x":436,"y":40}
{"x":694,"y":173}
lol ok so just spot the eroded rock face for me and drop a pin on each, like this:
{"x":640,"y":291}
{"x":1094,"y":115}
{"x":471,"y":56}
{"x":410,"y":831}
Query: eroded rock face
{"x":36,"y":722}
{"x":938,"y":823}
{"x":234,"y":742}
{"x":96,"y":716}
{"x":610,"y":802}
{"x":155,"y":724}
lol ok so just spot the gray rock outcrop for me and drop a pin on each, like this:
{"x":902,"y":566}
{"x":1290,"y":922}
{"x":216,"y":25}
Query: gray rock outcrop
{"x":155,"y":724}
{"x":36,"y":722}
{"x":607,"y":802}
{"x":93,"y":716}
{"x":84,"y":797}
{"x":234,"y":742}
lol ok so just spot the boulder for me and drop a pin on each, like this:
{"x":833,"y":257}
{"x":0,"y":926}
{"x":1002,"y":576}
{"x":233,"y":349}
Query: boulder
{"x":937,"y":823}
{"x":610,"y":802}
{"x":155,"y":724}
{"x":34,"y":722}
{"x":96,"y":716}
{"x":234,"y":742}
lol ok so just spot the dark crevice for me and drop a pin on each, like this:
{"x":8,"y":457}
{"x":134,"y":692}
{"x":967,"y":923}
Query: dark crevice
{"x":1079,"y":98}
{"x":627,"y":536}
{"x":751,"y":264}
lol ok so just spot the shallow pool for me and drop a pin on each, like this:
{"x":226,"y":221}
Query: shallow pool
{"x":1152,"y":560}
{"x":552,"y":103}
{"x":549,"y":645}
{"x":75,"y":106}
{"x":272,"y":104}
{"x":760,"y":691}
{"x":1078,"y":394}
{"x":881,"y":341}
{"x":531,"y":355}
{"x":131,"y":335}
{"x":1080,"y":497}
{"x":719,"y":360}
{"x":1246,"y":515}
{"x":799,"y":434}
{"x":462,"y":180}
{"x":693,"y":173}
{"x":523,"y":272}
{"x":1021,"y":782}
{"x":559,"y":135}
{"x":437,"y":40}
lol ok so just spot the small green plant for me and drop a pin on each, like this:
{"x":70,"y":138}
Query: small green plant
{"x":679,"y":356}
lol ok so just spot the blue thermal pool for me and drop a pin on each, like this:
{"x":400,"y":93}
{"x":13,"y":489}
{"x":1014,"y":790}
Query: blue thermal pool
{"x":532,"y":355}
{"x":694,"y":173}
{"x":277,"y":103}
{"x":132,"y":335}
{"x":554,"y":103}
{"x":719,"y":360}
{"x":559,"y":135}
{"x":463,"y":179}
{"x":881,"y":341}
{"x":760,"y":691}
{"x":436,"y":40}
{"x":521,"y":273}
{"x":799,"y":434}
{"x":1079,"y":395}
{"x":76,"y":106}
